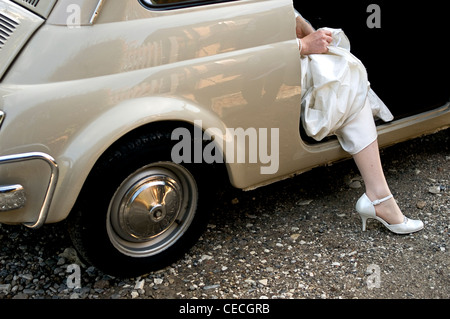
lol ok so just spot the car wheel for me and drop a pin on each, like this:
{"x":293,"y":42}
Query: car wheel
{"x":139,"y":211}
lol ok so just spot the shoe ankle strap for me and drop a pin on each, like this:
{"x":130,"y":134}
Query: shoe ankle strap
{"x":379,"y":201}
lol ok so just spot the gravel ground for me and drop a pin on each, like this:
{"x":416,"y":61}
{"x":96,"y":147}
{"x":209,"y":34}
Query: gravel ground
{"x":295,"y":239}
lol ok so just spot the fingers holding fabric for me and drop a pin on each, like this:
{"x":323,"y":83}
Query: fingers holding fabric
{"x":316,"y":42}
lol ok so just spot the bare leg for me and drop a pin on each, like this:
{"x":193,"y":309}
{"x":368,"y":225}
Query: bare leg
{"x":369,"y":164}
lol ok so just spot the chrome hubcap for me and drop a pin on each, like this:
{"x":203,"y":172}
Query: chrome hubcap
{"x":152,"y":209}
{"x":148,"y":208}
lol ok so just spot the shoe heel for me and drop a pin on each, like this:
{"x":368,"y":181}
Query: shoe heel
{"x":364,"y":222}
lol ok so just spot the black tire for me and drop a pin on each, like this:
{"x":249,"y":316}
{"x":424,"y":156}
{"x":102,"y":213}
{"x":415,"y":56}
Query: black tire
{"x":135,"y":183}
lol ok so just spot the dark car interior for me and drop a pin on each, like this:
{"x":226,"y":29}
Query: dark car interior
{"x":405,"y":57}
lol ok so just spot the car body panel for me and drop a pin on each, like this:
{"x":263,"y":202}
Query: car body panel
{"x":16,"y":28}
{"x":76,"y":89}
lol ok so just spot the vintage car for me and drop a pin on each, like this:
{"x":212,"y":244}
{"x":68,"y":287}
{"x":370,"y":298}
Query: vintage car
{"x":125,"y":117}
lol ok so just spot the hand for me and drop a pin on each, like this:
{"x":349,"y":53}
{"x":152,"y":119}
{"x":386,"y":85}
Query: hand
{"x":316,"y":42}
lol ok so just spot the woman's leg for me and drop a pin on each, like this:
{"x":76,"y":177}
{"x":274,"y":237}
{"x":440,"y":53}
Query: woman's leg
{"x":369,"y":164}
{"x":359,"y":138}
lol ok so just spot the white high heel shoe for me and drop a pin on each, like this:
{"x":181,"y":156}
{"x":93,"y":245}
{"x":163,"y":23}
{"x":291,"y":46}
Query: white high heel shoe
{"x":366,"y":209}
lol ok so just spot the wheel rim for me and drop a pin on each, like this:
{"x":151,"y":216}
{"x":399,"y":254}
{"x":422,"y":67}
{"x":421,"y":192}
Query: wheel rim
{"x":152,"y":209}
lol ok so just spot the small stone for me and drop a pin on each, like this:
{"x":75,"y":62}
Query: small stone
{"x":263,"y":282}
{"x":20,"y":295}
{"x":5,"y":288}
{"x":139,"y":284}
{"x":434,"y":189}
{"x":26,"y":276}
{"x":421,"y":204}
{"x":134,"y":294}
{"x":74,"y":296}
{"x":355,"y":184}
{"x":211,"y":287}
{"x":235,"y":201}
{"x":295,"y":236}
{"x":304,"y":202}
{"x":29,"y":291}
{"x":205,"y":257}
{"x":158,"y":281}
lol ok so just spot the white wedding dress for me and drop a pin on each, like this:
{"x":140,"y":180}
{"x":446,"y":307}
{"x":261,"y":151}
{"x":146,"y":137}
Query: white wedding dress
{"x":337,"y":98}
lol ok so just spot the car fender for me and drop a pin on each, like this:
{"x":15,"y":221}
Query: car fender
{"x":83,"y":151}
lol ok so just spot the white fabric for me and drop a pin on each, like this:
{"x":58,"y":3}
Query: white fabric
{"x":335,"y":89}
{"x":360,"y":132}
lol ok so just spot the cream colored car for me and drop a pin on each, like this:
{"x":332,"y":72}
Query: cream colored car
{"x":124,"y":116}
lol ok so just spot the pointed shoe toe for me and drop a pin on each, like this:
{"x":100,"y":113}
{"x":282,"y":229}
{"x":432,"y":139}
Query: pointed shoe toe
{"x":407,"y":227}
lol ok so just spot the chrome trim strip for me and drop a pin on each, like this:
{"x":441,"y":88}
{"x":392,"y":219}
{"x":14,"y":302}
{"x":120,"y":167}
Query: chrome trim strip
{"x":43,"y":213}
{"x":96,"y":11}
{"x":2,"y":117}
